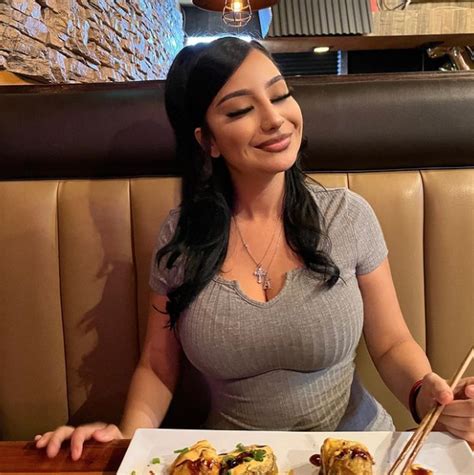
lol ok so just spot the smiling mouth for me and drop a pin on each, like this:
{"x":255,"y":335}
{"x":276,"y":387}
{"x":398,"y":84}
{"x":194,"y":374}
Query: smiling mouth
{"x":276,"y":145}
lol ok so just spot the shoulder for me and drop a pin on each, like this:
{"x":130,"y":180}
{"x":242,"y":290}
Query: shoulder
{"x":336,"y":201}
{"x":168,"y":227}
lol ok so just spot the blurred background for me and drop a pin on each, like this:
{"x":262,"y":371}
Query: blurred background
{"x":68,"y":41}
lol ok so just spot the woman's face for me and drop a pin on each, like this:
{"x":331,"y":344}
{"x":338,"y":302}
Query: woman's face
{"x":256,"y":125}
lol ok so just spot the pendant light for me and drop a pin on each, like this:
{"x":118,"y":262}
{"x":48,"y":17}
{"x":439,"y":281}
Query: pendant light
{"x":236,"y":13}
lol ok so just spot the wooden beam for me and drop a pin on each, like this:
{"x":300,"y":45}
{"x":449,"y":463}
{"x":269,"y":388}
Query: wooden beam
{"x":364,"y":42}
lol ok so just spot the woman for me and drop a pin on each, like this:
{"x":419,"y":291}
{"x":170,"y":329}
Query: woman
{"x":266,"y":279}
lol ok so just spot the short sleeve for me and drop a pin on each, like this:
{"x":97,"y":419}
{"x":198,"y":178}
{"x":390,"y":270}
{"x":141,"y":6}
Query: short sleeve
{"x":163,"y":279}
{"x":369,"y":240}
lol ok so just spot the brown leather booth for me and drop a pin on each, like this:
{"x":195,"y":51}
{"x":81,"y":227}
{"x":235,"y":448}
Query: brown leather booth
{"x":87,"y":175}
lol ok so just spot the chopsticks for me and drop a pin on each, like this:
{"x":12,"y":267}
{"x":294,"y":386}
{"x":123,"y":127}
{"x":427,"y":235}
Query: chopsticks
{"x":417,"y":439}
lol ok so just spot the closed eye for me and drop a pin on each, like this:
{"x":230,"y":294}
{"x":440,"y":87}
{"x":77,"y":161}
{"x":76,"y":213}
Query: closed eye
{"x":282,"y":98}
{"x":241,"y":112}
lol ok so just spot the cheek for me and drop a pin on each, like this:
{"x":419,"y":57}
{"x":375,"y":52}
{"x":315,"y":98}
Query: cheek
{"x":235,"y":136}
{"x":295,"y":116}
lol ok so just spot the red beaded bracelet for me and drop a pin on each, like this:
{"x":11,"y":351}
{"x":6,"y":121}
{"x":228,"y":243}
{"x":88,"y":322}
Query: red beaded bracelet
{"x":412,"y":400}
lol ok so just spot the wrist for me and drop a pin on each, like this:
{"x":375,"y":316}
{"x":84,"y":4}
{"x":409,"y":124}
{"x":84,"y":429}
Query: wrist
{"x":413,"y":399}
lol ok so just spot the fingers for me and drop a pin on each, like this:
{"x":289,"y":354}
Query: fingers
{"x":80,"y":435}
{"x":465,"y":388}
{"x":108,"y":433}
{"x":465,"y":424}
{"x":438,"y":388}
{"x":53,"y":440}
{"x":42,"y":440}
{"x":458,"y":417}
{"x":469,"y":391}
{"x":467,"y":436}
{"x":459,"y":408}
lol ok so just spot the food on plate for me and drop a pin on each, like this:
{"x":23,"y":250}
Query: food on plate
{"x":201,"y":458}
{"x":418,"y":470}
{"x":345,"y":457}
{"x":338,"y":457}
{"x":249,"y":459}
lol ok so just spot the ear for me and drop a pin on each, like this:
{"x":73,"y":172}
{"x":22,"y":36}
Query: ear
{"x":208,"y":144}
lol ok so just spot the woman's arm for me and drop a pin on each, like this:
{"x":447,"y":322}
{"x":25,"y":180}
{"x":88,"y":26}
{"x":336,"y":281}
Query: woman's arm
{"x":396,"y":355}
{"x":401,"y":362}
{"x":157,"y":372}
{"x":149,"y":395}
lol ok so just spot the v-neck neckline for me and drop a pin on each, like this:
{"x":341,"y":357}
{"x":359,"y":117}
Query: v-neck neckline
{"x":258,"y":303}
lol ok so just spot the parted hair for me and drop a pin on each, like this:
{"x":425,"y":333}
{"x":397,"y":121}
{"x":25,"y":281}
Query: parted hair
{"x":201,"y":236}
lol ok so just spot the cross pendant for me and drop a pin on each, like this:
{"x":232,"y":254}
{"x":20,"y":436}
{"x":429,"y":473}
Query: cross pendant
{"x":260,"y":273}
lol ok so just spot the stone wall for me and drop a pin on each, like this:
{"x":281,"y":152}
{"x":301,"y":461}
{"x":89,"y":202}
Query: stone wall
{"x":89,"y":40}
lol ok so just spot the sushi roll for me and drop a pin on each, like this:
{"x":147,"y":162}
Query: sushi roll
{"x":345,"y":457}
{"x":250,"y":459}
{"x":201,"y":458}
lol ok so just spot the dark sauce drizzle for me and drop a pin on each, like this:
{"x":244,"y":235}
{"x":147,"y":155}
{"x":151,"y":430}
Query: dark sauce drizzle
{"x":234,"y":461}
{"x":354,"y":452}
{"x":315,"y":460}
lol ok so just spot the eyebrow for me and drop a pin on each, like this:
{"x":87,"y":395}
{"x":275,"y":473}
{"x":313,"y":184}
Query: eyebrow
{"x":247,"y":92}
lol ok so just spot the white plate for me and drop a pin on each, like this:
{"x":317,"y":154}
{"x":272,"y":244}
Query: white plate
{"x":442,"y":453}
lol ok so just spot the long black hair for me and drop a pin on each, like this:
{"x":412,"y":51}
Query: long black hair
{"x":201,"y":236}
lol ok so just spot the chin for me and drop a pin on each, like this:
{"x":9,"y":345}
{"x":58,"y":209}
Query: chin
{"x":282,"y":161}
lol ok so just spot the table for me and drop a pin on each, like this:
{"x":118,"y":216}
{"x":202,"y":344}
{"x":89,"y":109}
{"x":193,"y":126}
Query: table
{"x":24,"y":458}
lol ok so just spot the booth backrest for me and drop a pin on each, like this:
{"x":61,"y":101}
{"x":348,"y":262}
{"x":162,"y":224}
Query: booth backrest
{"x":80,"y":208}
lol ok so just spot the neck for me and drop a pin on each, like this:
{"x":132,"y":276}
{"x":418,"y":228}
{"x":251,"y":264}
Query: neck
{"x":259,"y":198}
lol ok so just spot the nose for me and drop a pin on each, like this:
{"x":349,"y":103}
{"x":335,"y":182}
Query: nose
{"x":271,"y":120}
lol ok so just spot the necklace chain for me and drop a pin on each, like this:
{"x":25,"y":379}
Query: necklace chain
{"x":260,"y":273}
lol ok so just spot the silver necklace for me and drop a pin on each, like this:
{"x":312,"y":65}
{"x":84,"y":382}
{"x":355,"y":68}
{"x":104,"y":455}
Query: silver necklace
{"x":260,"y":273}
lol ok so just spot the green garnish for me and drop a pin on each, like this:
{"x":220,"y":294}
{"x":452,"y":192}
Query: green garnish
{"x":181,"y":451}
{"x":155,"y":460}
{"x":258,"y":455}
{"x":133,"y":472}
{"x":241,"y":447}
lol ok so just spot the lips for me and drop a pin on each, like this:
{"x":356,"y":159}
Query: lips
{"x":276,"y":144}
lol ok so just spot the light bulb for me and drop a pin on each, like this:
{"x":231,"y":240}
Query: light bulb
{"x":236,"y":6}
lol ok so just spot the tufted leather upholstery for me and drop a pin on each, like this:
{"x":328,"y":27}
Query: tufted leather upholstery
{"x":75,"y":259}
{"x":355,"y":122}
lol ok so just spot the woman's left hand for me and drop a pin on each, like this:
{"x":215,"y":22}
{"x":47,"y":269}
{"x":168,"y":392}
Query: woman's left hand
{"x":458,"y":414}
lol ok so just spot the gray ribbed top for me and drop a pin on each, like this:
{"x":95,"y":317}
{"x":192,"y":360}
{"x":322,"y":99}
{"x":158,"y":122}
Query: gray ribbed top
{"x":287,"y":364}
